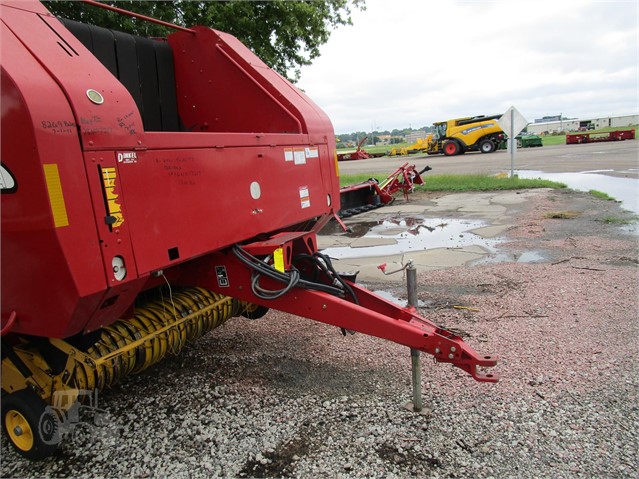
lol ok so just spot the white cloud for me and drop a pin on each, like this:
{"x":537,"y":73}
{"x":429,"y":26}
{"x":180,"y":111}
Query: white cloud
{"x":415,"y":62}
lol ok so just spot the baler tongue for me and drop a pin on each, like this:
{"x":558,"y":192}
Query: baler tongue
{"x":306,"y":284}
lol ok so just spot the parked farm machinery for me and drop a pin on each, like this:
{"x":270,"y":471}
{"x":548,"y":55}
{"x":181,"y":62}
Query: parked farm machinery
{"x":359,"y":153}
{"x":151,"y":190}
{"x":372,"y":193}
{"x":595,"y":137}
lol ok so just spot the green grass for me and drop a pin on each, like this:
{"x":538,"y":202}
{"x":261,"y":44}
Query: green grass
{"x":614,"y":220}
{"x":601,"y":195}
{"x":562,"y":215}
{"x":553,"y":140}
{"x":463,"y":182}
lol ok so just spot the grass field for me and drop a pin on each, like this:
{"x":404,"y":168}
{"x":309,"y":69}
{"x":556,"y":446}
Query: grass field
{"x":459,"y":183}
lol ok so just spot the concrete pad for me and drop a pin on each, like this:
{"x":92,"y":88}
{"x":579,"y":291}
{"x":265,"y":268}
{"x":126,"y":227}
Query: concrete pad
{"x":444,"y":257}
{"x":469,"y":203}
{"x":356,"y":263}
{"x":490,"y":231}
{"x":510,"y":198}
{"x":369,"y":272}
{"x":368,"y":268}
{"x":476,"y":249}
{"x":429,"y":260}
{"x":367,"y":242}
{"x":517,"y":197}
{"x":333,"y":241}
{"x":483,"y":208}
{"x":490,"y":206}
{"x":405,"y":208}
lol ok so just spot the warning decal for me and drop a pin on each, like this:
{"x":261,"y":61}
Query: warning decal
{"x":288,"y":154}
{"x":305,"y":198}
{"x":312,"y":152}
{"x":114,"y":209}
{"x":299,"y":155}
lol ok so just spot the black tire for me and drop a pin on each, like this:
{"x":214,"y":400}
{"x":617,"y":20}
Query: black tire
{"x":486,"y":146}
{"x":35,"y":427}
{"x":451,"y":148}
{"x":255,"y":311}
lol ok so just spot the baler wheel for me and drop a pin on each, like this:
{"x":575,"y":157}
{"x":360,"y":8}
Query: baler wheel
{"x":254,"y":311}
{"x":32,"y":427}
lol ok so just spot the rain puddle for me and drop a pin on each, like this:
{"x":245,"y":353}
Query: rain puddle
{"x":400,"y":235}
{"x":625,"y":190}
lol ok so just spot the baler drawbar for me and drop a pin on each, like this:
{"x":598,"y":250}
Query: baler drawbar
{"x":152,"y":189}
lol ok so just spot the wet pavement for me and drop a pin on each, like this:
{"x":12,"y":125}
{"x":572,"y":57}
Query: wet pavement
{"x":451,"y":230}
{"x":622,"y":189}
{"x":467,"y":228}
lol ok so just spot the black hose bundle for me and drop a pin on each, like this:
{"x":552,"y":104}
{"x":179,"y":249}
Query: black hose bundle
{"x":293,"y":278}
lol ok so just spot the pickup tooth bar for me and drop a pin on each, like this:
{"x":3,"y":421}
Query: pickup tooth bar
{"x":159,"y":328}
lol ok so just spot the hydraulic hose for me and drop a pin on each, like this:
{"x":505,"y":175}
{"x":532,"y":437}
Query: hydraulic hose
{"x":293,"y":278}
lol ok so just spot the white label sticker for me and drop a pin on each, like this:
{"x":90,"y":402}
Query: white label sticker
{"x":305,"y":198}
{"x":127,"y":157}
{"x":300,"y":156}
{"x":312,"y":152}
{"x":288,"y":154}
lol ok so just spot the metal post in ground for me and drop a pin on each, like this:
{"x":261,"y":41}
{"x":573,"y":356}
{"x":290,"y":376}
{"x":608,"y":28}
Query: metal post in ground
{"x":513,"y":142}
{"x":411,"y":282}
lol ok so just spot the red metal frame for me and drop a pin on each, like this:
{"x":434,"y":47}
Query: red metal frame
{"x":370,"y":314}
{"x":403,"y":178}
{"x":617,"y":135}
{"x":358,"y":154}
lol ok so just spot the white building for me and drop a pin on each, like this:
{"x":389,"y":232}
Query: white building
{"x":583,"y":124}
{"x":413,"y":136}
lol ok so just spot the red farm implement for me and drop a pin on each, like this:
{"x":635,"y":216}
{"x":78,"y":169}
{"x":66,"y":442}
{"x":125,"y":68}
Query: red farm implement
{"x":370,"y":194}
{"x":132,"y":163}
{"x":617,"y":135}
{"x":358,"y":154}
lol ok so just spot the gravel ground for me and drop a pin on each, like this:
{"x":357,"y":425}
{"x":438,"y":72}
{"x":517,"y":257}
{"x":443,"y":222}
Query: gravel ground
{"x":287,"y":397}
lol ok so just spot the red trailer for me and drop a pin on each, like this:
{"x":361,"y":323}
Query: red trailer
{"x":130,"y":164}
{"x":618,"y":135}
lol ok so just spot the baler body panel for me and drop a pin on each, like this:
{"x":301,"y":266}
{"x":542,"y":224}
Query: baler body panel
{"x":151,"y":172}
{"x":183,"y":203}
{"x":48,"y":227}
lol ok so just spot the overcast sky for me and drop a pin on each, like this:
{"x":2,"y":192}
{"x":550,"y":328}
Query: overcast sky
{"x":412,"y":62}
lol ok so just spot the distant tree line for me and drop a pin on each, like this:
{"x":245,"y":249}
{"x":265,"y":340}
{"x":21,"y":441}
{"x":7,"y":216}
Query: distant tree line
{"x":397,"y":136}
